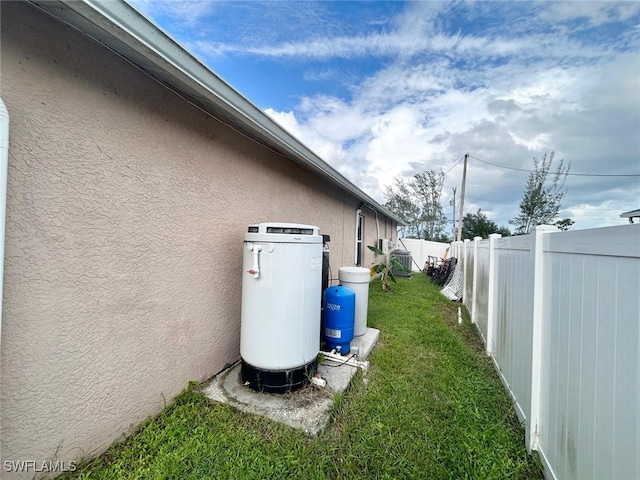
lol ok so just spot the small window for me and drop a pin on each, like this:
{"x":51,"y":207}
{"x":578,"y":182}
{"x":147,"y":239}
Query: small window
{"x":359,"y":236}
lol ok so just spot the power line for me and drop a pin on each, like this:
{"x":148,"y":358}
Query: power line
{"x":569,"y":174}
{"x":454,"y":165}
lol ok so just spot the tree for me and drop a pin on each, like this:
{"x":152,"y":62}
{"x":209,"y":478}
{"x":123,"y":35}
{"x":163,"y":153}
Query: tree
{"x":564,"y":224}
{"x":386,"y":266}
{"x":543,"y":195}
{"x":400,"y":201}
{"x":504,"y":231}
{"x":417,"y":203}
{"x":442,"y":238}
{"x":428,"y":189}
{"x":479,"y":225}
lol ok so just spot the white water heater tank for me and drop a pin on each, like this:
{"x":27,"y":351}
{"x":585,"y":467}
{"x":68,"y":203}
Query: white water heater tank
{"x":280,"y":319}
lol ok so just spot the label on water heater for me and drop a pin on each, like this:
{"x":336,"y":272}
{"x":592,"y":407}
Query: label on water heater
{"x":329,"y":332}
{"x":334,"y":307}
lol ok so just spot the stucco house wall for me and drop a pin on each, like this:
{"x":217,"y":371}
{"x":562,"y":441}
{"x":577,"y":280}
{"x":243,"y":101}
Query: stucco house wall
{"x":126,"y":211}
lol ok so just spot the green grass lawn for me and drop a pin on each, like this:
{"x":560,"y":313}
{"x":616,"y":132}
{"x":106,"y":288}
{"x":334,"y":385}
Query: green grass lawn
{"x":431,"y":406}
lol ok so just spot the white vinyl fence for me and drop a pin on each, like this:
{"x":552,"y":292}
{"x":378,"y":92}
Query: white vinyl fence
{"x":560,"y":316}
{"x":421,"y":250}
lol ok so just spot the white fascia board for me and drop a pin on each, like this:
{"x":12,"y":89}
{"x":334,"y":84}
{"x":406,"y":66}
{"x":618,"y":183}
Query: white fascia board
{"x":127,"y":26}
{"x":631,"y":214}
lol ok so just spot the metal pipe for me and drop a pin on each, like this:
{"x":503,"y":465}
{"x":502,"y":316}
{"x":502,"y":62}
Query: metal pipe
{"x":4,"y":164}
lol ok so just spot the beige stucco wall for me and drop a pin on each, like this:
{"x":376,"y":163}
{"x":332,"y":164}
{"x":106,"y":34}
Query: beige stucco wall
{"x":126,"y":212}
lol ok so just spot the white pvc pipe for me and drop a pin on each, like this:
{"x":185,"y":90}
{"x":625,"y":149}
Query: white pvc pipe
{"x":4,"y":164}
{"x":355,"y":252}
{"x":256,"y":261}
{"x":348,"y":360}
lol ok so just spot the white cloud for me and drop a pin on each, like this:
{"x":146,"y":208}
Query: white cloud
{"x":589,"y":215}
{"x":536,"y":77}
{"x":313,"y":75}
{"x":592,"y":13}
{"x":330,"y":151}
{"x":569,"y":110}
{"x":187,"y":13}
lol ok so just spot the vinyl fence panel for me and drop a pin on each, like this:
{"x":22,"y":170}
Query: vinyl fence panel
{"x":469,"y":264}
{"x":421,"y":250}
{"x":591,"y":372}
{"x":561,"y":314}
{"x":482,"y":289}
{"x":514,"y":321}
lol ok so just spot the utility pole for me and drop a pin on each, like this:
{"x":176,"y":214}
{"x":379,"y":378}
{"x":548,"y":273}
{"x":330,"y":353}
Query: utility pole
{"x":453,"y":204}
{"x":464,"y":181}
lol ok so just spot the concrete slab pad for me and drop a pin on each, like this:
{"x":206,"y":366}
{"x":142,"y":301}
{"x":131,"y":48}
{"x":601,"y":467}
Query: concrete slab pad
{"x":339,"y":376}
{"x":309,"y":408}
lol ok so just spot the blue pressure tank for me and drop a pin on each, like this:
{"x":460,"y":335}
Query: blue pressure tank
{"x":339,"y":316}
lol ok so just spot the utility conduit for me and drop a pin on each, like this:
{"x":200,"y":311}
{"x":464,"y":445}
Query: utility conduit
{"x":4,"y":163}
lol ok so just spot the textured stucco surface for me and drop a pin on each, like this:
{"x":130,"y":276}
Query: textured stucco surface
{"x":126,"y":212}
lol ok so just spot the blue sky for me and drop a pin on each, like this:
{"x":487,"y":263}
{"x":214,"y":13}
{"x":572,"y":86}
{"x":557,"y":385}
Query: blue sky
{"x":386,"y":89}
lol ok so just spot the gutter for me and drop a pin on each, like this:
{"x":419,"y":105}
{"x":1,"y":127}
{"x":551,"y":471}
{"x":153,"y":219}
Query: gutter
{"x":125,"y":31}
{"x":4,"y":164}
{"x":631,"y":215}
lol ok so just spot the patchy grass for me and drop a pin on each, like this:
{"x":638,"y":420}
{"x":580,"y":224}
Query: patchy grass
{"x":431,"y":407}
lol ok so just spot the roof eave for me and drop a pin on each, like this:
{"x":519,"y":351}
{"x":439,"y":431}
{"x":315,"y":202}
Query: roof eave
{"x":127,"y":32}
{"x":631,"y":214}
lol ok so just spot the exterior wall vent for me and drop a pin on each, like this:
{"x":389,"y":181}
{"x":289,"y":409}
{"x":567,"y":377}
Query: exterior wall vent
{"x":290,"y":231}
{"x":283,"y":229}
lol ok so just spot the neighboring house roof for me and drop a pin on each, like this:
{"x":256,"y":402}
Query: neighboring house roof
{"x":122,"y":29}
{"x":631,"y":215}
